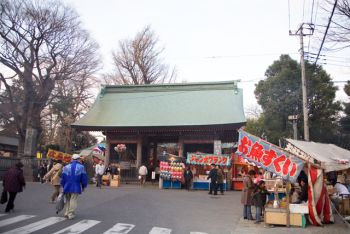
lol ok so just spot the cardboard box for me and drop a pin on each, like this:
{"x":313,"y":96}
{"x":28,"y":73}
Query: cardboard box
{"x":115,"y":183}
{"x":279,"y":217}
{"x":344,"y":206}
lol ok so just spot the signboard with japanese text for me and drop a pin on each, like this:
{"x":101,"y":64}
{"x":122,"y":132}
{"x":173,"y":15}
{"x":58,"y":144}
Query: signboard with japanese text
{"x":207,"y":159}
{"x":269,"y":157}
{"x":57,"y":155}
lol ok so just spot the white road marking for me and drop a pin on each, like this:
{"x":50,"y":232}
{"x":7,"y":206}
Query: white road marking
{"x":159,"y":230}
{"x":15,"y":219}
{"x":79,"y":227}
{"x":198,"y":233}
{"x":36,"y":226}
{"x":2,"y":215}
{"x":120,"y":228}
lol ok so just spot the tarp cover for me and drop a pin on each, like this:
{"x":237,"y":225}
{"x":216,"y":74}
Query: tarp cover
{"x":329,"y":156}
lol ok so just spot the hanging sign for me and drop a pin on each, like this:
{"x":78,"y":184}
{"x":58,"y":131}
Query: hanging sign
{"x":57,"y":155}
{"x":269,"y":156}
{"x":207,"y":159}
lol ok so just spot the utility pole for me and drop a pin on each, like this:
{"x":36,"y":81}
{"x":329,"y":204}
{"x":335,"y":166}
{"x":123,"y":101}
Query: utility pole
{"x":300,"y":32}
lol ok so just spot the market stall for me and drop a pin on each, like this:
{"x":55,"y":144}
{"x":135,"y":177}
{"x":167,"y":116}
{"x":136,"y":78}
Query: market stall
{"x":323,"y":158}
{"x":200,"y":163}
{"x":171,"y":171}
{"x":286,"y":168}
{"x":240,"y":167}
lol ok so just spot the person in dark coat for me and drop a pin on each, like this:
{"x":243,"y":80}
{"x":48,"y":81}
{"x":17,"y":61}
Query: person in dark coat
{"x":13,"y":183}
{"x":259,"y":199}
{"x":42,"y":172}
{"x":188,"y":176}
{"x":213,"y":175}
{"x":246,"y":199}
{"x":303,"y":194}
{"x":221,"y":178}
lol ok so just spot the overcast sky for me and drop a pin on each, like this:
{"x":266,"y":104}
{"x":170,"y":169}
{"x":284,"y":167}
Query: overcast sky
{"x":210,"y":40}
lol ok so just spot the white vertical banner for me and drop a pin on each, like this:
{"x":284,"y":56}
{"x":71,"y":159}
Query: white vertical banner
{"x":217,"y":147}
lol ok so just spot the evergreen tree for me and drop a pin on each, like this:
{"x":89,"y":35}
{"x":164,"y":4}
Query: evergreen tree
{"x":280,"y":95}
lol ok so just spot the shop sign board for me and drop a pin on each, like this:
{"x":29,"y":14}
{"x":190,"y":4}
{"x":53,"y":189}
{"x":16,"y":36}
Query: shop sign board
{"x":217,"y":147}
{"x":57,"y":155}
{"x":207,"y":159}
{"x":269,"y":157}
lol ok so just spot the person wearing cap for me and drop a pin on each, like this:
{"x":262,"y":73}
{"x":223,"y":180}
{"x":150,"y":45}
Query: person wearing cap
{"x":73,"y":181}
{"x":54,"y":175}
{"x":13,"y":183}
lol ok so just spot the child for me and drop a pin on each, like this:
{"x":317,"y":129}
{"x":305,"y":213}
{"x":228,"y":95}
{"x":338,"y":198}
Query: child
{"x":259,"y":199}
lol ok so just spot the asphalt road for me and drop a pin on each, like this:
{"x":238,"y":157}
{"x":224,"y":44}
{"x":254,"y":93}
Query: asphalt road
{"x":146,"y":208}
{"x":134,"y":210}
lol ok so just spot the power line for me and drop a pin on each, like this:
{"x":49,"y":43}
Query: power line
{"x":325,"y":34}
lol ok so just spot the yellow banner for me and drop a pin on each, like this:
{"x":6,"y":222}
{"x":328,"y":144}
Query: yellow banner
{"x":57,"y":155}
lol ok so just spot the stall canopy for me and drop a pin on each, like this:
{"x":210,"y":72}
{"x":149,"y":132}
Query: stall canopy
{"x":328,"y":156}
{"x":269,"y":157}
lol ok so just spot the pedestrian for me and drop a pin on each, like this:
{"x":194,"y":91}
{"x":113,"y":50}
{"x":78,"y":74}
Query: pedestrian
{"x":99,"y":170}
{"x":13,"y":183}
{"x":73,"y":181}
{"x":54,"y":176}
{"x":188,"y":176}
{"x":213,"y":176}
{"x":246,"y":199}
{"x":259,"y":199}
{"x":221,"y":178}
{"x":142,"y":174}
{"x":42,"y":172}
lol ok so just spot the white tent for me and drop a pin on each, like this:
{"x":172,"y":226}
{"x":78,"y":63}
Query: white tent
{"x":328,"y":156}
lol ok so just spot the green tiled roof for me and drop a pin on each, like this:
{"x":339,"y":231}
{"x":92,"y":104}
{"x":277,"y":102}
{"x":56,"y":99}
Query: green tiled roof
{"x":165,"y":105}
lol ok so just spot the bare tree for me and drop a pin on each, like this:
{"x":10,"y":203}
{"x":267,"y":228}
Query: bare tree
{"x":41,"y":43}
{"x":253,"y":111}
{"x":338,"y":36}
{"x":138,"y":61}
{"x":71,"y":99}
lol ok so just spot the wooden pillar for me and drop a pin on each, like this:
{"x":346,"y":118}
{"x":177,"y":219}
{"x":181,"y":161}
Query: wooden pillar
{"x":139,"y":152}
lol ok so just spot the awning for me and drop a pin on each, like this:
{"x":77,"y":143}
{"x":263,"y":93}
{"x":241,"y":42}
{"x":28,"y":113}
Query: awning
{"x":328,"y":156}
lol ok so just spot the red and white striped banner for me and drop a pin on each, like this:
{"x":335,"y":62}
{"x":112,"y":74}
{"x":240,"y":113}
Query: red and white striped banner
{"x":320,"y":211}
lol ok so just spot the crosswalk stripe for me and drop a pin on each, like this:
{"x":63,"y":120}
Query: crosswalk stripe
{"x":120,"y":228}
{"x":15,"y":219}
{"x":79,"y":227}
{"x":159,"y":230}
{"x":198,"y":233}
{"x":2,"y":215}
{"x":36,"y":226}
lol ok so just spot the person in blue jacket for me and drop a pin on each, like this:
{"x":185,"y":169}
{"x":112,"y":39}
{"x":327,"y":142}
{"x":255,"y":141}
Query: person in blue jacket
{"x":73,"y":181}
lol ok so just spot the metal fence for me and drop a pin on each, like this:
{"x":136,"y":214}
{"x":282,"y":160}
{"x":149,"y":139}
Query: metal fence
{"x":129,"y":176}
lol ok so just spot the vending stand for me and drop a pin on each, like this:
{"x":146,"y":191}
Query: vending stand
{"x":171,"y":171}
{"x":240,"y":166}
{"x":201,"y":163}
{"x":283,"y":164}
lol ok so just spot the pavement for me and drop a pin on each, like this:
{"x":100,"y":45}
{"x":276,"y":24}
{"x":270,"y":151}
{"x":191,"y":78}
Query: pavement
{"x":141,"y":210}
